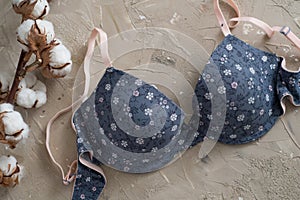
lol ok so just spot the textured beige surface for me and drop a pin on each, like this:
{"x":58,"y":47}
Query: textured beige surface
{"x":266,"y":169}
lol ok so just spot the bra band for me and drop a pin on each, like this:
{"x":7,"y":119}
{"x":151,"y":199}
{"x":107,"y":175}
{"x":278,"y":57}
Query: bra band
{"x":70,"y":176}
{"x":286,"y":31}
{"x":221,"y":19}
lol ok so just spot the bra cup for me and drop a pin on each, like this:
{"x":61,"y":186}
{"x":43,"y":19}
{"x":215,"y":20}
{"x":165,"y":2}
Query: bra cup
{"x":131,"y":126}
{"x":252,"y":102}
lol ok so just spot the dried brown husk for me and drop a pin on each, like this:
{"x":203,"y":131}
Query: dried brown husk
{"x":25,"y":8}
{"x":10,"y":181}
{"x":46,"y":68}
{"x":3,"y":137}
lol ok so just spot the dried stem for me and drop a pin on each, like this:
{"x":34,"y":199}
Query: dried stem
{"x":19,"y":75}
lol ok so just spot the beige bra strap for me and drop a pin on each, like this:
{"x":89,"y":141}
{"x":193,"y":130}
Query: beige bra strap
{"x":221,"y":19}
{"x":286,"y":31}
{"x":69,"y":177}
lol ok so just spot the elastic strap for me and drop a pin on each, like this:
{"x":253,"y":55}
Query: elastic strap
{"x":221,"y":19}
{"x":285,"y":30}
{"x":70,"y":176}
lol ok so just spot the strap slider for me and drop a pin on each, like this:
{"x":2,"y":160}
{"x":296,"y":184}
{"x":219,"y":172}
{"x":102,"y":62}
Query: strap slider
{"x":282,"y":30}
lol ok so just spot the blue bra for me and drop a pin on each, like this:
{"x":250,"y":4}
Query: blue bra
{"x":131,"y":126}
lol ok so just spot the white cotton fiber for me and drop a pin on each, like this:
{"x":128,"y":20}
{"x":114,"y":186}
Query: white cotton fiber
{"x":26,"y":98}
{"x":23,"y":32}
{"x":47,"y":29}
{"x":13,"y":123}
{"x":6,"y":107}
{"x":8,"y":164}
{"x":41,"y":98}
{"x":59,"y":55}
{"x":39,"y":8}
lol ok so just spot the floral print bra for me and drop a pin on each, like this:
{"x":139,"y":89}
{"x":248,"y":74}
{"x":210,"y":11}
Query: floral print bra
{"x":131,"y":126}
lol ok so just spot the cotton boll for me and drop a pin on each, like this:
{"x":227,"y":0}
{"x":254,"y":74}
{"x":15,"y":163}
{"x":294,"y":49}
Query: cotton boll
{"x":31,"y":9}
{"x":59,"y":55}
{"x":26,"y":98}
{"x":23,"y":32}
{"x":47,"y":29}
{"x":6,"y":107}
{"x":10,"y":171}
{"x":39,"y":8}
{"x":41,"y":98}
{"x":13,"y":123}
{"x":8,"y":165}
{"x":39,"y":86}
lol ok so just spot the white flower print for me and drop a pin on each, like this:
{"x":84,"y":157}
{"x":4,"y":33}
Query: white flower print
{"x":270,"y":112}
{"x":138,"y":82}
{"x":221,"y":90}
{"x":208,"y":96}
{"x":210,"y":117}
{"x":227,"y":72}
{"x":149,"y":96}
{"x":233,"y":136}
{"x":181,"y":142}
{"x":267,"y":98}
{"x":82,"y":196}
{"x":173,"y":117}
{"x":139,"y":141}
{"x":116,"y":100}
{"x":114,"y":155}
{"x":154,"y":149}
{"x":101,"y":99}
{"x":135,"y":93}
{"x":272,"y":66}
{"x":251,"y":100}
{"x":137,"y":127}
{"x":88,"y":179}
{"x":224,"y":59}
{"x":264,"y":58}
{"x":148,"y":111}
{"x":146,"y":160}
{"x":241,"y":117}
{"x":238,"y":67}
{"x":229,"y":47}
{"x":174,"y":128}
{"x":113,"y":127}
{"x":270,"y":88}
{"x":251,"y":84}
{"x":252,"y":70}
{"x":261,"y":128}
{"x":261,"y":112}
{"x":249,"y":55}
{"x":80,"y":140}
{"x":215,"y":128}
{"x":103,"y":142}
{"x":126,"y":169}
{"x":94,"y":189}
{"x":247,"y":127}
{"x":124,"y":143}
{"x":292,"y":81}
{"x":101,"y":131}
{"x":107,"y":87}
{"x":234,"y":85}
